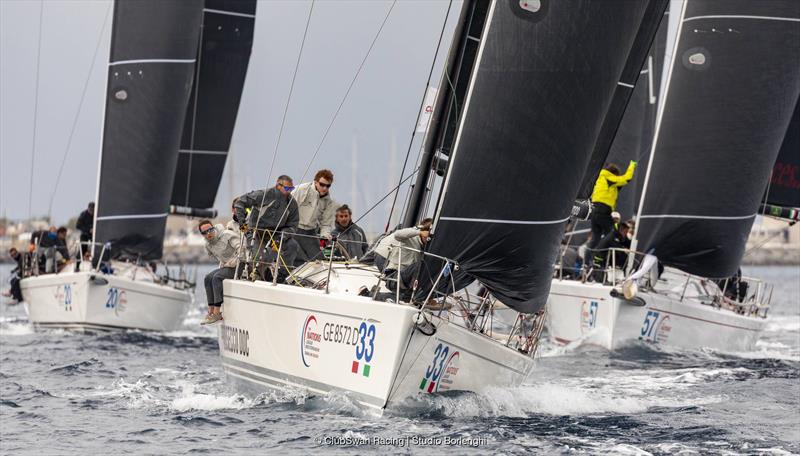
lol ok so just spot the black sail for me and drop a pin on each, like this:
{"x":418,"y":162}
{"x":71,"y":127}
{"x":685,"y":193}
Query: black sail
{"x":783,"y":189}
{"x":226,"y":42}
{"x":153,"y":48}
{"x":538,"y":102}
{"x":732,"y":89}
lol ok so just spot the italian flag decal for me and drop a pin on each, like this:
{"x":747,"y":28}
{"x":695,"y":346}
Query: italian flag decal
{"x":364,"y":370}
{"x":431,"y":385}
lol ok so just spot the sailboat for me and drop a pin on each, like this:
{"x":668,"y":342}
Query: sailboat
{"x":719,"y":128}
{"x":154,"y":83}
{"x":535,"y":88}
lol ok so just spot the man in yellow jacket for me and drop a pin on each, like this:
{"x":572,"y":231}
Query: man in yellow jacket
{"x":604,"y":201}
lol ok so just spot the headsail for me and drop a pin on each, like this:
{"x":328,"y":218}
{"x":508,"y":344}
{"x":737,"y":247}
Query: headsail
{"x":733,"y":84}
{"x":222,"y":60}
{"x":540,"y":96}
{"x":782,"y":198}
{"x":153,"y":49}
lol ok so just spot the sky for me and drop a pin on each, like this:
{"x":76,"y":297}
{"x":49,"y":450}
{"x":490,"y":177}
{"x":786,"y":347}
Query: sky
{"x":365,"y":148}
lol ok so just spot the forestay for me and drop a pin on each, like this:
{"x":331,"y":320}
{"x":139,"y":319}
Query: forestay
{"x":153,"y":50}
{"x":733,"y":84}
{"x":541,"y":95}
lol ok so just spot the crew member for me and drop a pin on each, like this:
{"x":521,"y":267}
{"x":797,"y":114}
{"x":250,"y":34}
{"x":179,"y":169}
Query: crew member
{"x":317,"y":213}
{"x":604,"y":200}
{"x":272,"y":212}
{"x":222,"y":244}
{"x":350,"y":235}
{"x":394,"y":260}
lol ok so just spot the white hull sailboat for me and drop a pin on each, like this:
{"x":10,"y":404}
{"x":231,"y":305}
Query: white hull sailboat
{"x":681,"y":310}
{"x":279,"y":336}
{"x":707,"y":169}
{"x":157,"y":153}
{"x":321,"y":335}
{"x":92,"y":300}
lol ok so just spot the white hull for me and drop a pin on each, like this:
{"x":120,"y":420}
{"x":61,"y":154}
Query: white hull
{"x":587,"y":312}
{"x":76,"y":300}
{"x":277,"y":336}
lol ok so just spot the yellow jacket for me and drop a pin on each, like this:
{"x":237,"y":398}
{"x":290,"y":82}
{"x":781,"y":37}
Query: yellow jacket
{"x":606,"y":188}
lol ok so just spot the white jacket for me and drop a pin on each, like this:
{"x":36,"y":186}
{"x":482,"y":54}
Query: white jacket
{"x":395,"y":259}
{"x":224,"y":247}
{"x":315,"y":212}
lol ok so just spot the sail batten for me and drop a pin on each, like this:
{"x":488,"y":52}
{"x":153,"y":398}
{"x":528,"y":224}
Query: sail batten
{"x":151,"y":63}
{"x":732,"y":87}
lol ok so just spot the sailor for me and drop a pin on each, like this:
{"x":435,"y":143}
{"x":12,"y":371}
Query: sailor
{"x":350,"y":235}
{"x":222,"y":244}
{"x":393,"y":260}
{"x":85,"y":224}
{"x":51,"y":246}
{"x":317,"y":213}
{"x":272,"y":212}
{"x":16,"y":274}
{"x":604,"y":200}
{"x":618,"y":239}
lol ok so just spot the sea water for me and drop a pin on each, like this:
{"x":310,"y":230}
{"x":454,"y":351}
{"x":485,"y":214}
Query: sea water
{"x":147,"y":393}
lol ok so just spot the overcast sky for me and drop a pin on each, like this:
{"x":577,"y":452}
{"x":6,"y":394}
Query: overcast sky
{"x":377,"y":118}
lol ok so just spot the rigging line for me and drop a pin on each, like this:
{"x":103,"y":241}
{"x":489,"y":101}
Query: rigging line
{"x":35,"y":110}
{"x":285,"y":111}
{"x":78,"y":113}
{"x":413,"y":173}
{"x":762,"y":243}
{"x":313,"y":157}
{"x":419,"y":112}
{"x":350,"y":87}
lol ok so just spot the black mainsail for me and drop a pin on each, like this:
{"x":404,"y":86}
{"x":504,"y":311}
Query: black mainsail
{"x":782,"y":198}
{"x":222,"y":60}
{"x":734,"y":81}
{"x":542,"y":95}
{"x":153,"y":50}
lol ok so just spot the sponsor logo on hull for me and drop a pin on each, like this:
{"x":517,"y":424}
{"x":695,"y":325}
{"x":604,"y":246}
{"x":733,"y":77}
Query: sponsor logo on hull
{"x":361,"y":338}
{"x":235,"y":340}
{"x":656,"y":327}
{"x":588,"y":316}
{"x":442,"y":371}
{"x":63,"y":296}
{"x":116,"y":300}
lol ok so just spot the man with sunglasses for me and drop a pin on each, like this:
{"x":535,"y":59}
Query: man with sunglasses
{"x":317,"y":213}
{"x":223,"y":245}
{"x":272,"y":212}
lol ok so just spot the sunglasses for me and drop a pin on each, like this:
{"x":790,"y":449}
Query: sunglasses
{"x":210,"y":230}
{"x":287,"y":188}
{"x":324,"y":185}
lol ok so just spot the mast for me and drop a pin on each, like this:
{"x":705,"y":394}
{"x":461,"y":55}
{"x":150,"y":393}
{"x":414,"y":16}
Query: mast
{"x":442,"y":107}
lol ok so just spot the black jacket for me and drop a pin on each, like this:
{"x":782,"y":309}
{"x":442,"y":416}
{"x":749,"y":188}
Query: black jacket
{"x":280,"y":211}
{"x":85,"y":222}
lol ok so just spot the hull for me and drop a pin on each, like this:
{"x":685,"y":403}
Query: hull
{"x":77,"y":300}
{"x":587,"y":312}
{"x":278,"y":336}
